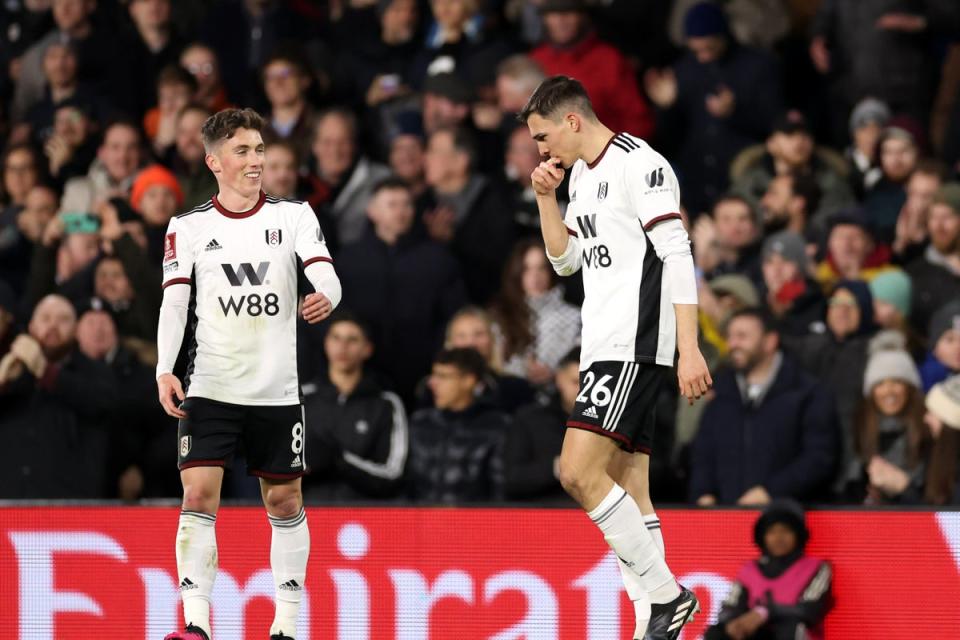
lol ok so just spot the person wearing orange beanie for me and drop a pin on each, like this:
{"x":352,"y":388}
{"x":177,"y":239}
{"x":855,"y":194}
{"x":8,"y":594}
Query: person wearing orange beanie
{"x":156,"y":206}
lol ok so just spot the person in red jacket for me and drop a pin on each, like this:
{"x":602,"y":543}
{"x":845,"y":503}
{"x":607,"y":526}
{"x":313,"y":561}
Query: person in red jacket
{"x":573,"y":49}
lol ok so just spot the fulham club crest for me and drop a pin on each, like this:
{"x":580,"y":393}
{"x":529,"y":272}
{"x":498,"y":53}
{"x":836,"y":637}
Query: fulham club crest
{"x":274,"y":237}
{"x":602,"y":191}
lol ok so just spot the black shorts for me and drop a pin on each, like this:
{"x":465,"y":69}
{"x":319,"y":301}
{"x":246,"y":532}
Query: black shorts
{"x":618,"y":400}
{"x":272,"y":437}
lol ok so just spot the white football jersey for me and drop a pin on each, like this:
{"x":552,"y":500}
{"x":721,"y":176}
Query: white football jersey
{"x":627,"y":314}
{"x":243,"y":268}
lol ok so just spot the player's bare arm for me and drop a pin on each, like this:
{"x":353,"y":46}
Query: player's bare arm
{"x":693,"y":376}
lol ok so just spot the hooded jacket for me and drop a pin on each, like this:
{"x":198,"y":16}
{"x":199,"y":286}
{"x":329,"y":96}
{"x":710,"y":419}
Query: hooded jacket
{"x":793,"y":592}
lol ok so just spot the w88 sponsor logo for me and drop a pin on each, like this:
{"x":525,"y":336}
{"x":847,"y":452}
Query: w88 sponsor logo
{"x":253,"y":304}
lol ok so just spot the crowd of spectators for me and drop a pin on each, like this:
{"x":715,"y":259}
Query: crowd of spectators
{"x":817,"y":144}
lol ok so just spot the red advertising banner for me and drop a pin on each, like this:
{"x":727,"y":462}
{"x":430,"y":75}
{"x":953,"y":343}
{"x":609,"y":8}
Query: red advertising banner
{"x":75,"y":573}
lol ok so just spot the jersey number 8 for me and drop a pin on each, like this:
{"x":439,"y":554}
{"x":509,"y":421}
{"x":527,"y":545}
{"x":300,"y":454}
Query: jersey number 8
{"x":296,"y":445}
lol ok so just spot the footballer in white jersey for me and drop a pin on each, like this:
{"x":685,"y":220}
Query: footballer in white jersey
{"x":243,"y":268}
{"x":628,"y":313}
{"x":234,"y":262}
{"x":623,"y":231}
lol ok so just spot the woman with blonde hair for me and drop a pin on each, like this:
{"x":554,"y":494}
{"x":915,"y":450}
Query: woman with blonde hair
{"x":473,"y":327}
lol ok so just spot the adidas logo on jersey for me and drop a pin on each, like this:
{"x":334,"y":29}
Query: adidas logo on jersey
{"x":296,"y":461}
{"x":590,"y":412}
{"x":213,"y":245}
{"x":290,"y":585}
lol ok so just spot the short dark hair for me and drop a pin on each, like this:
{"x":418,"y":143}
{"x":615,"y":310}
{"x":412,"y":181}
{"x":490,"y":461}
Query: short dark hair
{"x":175,"y":74}
{"x":556,"y":93}
{"x":344,"y":114}
{"x":736,"y":197}
{"x":224,"y":124}
{"x":289,"y":54}
{"x":465,"y":359}
{"x":121,"y":122}
{"x":463,"y":142}
{"x":273,"y":141}
{"x":21,"y":146}
{"x":932,"y":167}
{"x":571,"y":357}
{"x":804,"y":185}
{"x":760,"y":314}
{"x":194,"y":106}
{"x":344,"y":315}
{"x":390,"y":182}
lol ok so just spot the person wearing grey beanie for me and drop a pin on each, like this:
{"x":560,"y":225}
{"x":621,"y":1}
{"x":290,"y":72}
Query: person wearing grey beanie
{"x":890,"y":438}
{"x":889,"y":361}
{"x":943,"y":418}
{"x":869,"y":111}
{"x":790,"y":293}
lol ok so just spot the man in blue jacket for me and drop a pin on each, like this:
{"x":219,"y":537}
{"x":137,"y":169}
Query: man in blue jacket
{"x":771,"y":431}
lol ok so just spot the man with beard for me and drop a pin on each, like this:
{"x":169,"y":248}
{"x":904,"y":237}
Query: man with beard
{"x":56,"y":404}
{"x":789,"y":203}
{"x":791,"y":149}
{"x":784,"y":593}
{"x":771,"y":432}
{"x":936,"y":275}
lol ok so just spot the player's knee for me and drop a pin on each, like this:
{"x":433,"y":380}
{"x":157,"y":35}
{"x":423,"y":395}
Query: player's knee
{"x":200,"y":498}
{"x":283,"y":502}
{"x":573,"y":479}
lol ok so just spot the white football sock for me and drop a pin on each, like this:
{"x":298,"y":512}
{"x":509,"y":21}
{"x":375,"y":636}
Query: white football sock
{"x":619,"y":517}
{"x":637,"y":594}
{"x":197,"y":565}
{"x":653,"y":526}
{"x":289,"y":550}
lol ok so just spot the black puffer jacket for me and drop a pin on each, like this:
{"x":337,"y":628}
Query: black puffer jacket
{"x":55,"y":431}
{"x":356,"y":444}
{"x":457,"y":456}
